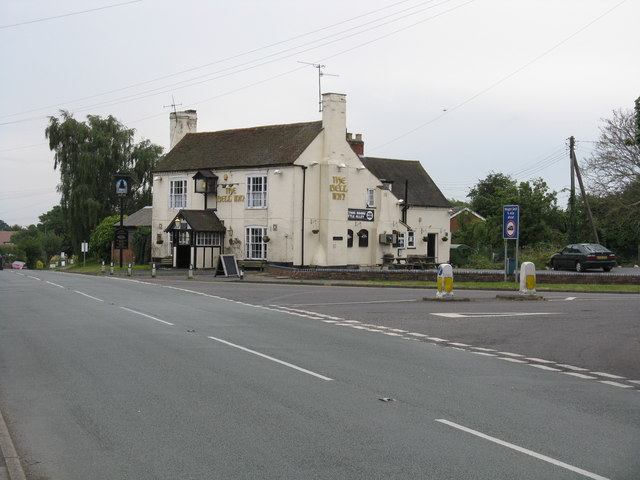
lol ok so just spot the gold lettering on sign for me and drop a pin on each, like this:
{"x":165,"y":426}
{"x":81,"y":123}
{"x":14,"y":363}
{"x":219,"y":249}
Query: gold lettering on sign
{"x":338,"y":188}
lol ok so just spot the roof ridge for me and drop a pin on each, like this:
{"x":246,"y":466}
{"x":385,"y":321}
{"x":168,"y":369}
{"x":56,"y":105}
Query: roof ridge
{"x":258,"y":127}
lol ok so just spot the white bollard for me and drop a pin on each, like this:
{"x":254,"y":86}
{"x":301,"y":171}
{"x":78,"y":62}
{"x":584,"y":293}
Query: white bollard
{"x":153,"y":271}
{"x":102,"y":268}
{"x":445,"y":281}
{"x":129,"y":270}
{"x":528,"y":278}
{"x":111,"y":269}
{"x":190,"y":274}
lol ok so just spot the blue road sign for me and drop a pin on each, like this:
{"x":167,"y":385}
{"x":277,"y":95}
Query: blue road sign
{"x":510,"y":222}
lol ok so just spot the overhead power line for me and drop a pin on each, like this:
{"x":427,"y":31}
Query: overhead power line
{"x":68,"y":14}
{"x":502,"y":80}
{"x":229,"y":58}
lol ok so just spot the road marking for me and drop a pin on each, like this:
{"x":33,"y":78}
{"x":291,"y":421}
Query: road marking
{"x":286,"y":364}
{"x":513,"y":360}
{"x":145,"y":315}
{"x":615,"y":384}
{"x":54,"y":284}
{"x":569,"y":299}
{"x":608,"y":375}
{"x":35,"y":278}
{"x":457,"y":344}
{"x":571,"y":367}
{"x":511,"y":354}
{"x":580,"y":375}
{"x":491,"y":315}
{"x":539,"y":360}
{"x":531,"y":453}
{"x":89,"y":296}
{"x":352,"y":303}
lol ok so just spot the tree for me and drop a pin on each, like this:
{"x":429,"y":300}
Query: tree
{"x":88,"y":154}
{"x":101,"y":238}
{"x":4,"y":226}
{"x":615,"y":162}
{"x":53,"y":222}
{"x":541,"y":220}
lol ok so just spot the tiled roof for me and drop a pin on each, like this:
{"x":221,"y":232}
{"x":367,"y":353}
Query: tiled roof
{"x":243,"y":148}
{"x":423,"y":192}
{"x":141,"y":218}
{"x":5,"y":237}
{"x":199,"y":220}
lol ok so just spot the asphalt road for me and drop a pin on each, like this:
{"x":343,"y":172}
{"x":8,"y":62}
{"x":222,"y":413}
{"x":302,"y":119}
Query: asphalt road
{"x":119,"y":379}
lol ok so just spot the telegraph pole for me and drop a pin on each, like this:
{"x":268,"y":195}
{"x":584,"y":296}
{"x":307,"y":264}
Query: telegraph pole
{"x":575,"y":169}
{"x":572,"y":194}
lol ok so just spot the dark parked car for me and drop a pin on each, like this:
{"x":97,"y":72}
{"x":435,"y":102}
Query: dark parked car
{"x":583,"y":256}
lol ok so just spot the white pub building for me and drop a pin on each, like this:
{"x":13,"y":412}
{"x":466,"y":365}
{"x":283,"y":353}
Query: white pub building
{"x":301,"y":194}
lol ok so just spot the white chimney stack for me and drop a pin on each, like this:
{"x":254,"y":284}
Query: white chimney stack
{"x":181,"y":123}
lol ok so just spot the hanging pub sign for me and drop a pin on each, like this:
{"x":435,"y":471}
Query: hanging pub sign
{"x":360,"y":215}
{"x":121,"y":239}
{"x":122,"y":184}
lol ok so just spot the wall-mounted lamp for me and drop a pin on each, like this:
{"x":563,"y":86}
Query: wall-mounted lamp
{"x":230,"y":231}
{"x":341,"y":166}
{"x":277,"y":172}
{"x":361,"y":167}
{"x":160,"y":226}
{"x":400,"y":202}
{"x":157,"y":178}
{"x":313,"y":164}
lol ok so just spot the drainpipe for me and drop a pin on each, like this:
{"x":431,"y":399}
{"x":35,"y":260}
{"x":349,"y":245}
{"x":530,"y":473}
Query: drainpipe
{"x":405,"y":207}
{"x":304,"y":185}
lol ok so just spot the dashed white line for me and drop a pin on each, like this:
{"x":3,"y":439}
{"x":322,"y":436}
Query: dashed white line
{"x":517,"y":448}
{"x":145,"y":315}
{"x":571,"y":367}
{"x":286,"y":364}
{"x":509,"y":354}
{"x":538,"y":360}
{"x":54,"y":284}
{"x":513,"y":360}
{"x":580,"y":375}
{"x":608,"y":375}
{"x":615,"y":384}
{"x":89,"y":296}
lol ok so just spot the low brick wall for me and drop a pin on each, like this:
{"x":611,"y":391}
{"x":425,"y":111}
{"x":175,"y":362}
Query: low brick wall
{"x":458,"y":275}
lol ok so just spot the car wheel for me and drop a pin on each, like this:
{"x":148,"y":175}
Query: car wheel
{"x":554,"y":266}
{"x":606,"y":269}
{"x":579,"y":267}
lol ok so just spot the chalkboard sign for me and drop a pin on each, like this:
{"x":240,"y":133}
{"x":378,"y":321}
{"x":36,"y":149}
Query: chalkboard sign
{"x":227,"y":266}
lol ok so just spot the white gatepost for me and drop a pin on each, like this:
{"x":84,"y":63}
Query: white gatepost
{"x":445,"y":281}
{"x":528,"y":278}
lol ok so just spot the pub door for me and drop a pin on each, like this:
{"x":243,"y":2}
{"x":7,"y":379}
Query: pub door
{"x":183,"y":256}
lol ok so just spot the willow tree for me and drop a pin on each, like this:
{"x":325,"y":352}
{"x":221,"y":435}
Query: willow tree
{"x":88,"y":154}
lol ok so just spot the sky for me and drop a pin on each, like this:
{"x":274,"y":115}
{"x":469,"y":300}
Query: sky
{"x":467,"y":87}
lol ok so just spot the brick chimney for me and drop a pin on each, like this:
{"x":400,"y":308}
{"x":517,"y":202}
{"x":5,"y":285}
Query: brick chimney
{"x":357,"y":145}
{"x":181,"y":123}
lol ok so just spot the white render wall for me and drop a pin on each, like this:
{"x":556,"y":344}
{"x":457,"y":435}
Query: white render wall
{"x":335,"y":180}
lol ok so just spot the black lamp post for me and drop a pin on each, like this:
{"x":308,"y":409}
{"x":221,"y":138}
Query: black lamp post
{"x":122,"y":185}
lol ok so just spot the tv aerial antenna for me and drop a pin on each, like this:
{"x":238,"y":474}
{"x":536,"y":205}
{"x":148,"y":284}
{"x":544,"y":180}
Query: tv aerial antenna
{"x":320,"y":75}
{"x":173,"y":105}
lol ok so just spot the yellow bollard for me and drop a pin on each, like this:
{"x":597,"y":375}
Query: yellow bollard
{"x":528,"y":278}
{"x":445,"y":281}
